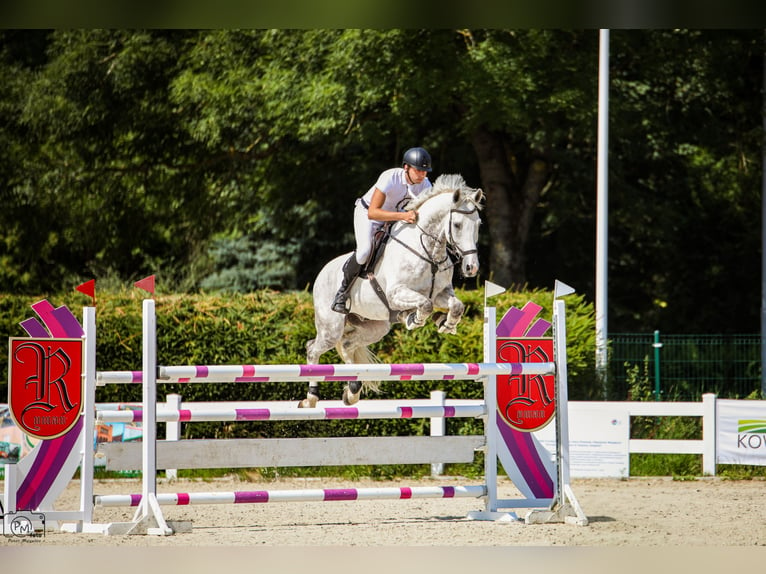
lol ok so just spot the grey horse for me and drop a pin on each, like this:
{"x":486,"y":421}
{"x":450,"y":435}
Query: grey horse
{"x":410,"y":282}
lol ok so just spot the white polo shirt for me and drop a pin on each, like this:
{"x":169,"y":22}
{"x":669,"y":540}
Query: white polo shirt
{"x":393,"y":183}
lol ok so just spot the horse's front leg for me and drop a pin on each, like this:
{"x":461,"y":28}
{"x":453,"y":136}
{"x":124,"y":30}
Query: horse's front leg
{"x":401,"y":297}
{"x":446,"y":299}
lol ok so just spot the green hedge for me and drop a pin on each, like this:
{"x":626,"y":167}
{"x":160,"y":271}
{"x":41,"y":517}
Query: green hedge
{"x":269,"y":327}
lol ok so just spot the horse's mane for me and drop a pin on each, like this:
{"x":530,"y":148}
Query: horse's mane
{"x":445,"y":183}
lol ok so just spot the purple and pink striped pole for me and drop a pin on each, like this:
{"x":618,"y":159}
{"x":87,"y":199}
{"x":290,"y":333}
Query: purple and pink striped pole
{"x":311,"y":495}
{"x":343,"y":372}
{"x":294,"y":413}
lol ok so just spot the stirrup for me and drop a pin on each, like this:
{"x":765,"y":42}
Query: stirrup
{"x":339,"y":304}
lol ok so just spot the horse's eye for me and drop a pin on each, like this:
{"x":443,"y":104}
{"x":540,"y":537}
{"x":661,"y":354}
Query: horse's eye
{"x":458,"y":225}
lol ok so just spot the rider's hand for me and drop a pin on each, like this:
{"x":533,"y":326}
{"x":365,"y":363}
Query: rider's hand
{"x":410,"y":217}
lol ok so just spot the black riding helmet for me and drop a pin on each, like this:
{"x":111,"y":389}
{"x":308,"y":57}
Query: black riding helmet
{"x":418,"y":158}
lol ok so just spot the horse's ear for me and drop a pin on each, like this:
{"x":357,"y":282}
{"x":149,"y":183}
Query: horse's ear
{"x":456,"y":196}
{"x":478,"y":197}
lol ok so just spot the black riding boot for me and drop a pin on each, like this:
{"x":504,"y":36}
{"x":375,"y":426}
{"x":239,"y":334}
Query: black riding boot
{"x":350,"y":271}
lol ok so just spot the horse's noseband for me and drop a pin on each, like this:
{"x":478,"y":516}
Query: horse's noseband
{"x":454,"y":247}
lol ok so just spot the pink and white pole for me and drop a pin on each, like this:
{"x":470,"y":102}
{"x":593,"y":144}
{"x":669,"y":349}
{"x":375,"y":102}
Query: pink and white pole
{"x":309,"y":495}
{"x":294,"y":413}
{"x":325,"y":373}
{"x":148,"y":518}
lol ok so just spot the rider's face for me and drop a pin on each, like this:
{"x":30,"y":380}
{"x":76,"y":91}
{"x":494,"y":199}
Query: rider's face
{"x":415,"y":175}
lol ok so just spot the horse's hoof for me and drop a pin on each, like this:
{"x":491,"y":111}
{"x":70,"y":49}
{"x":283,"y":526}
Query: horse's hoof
{"x":350,"y":398}
{"x":449,"y":330}
{"x":309,"y":402}
{"x":412,"y":321}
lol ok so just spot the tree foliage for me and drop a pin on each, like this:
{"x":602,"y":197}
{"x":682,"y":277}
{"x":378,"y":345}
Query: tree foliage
{"x":230,"y":159}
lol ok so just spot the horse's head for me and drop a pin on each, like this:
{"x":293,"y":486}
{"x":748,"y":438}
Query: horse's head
{"x":463,"y":228}
{"x":450,"y":212}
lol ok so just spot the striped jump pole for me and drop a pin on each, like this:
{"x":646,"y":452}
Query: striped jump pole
{"x":309,"y":495}
{"x":294,"y":413}
{"x":327,"y":373}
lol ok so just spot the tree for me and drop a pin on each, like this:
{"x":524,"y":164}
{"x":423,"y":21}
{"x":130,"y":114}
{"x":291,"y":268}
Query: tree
{"x":231,"y":158}
{"x":526,"y":106}
{"x":685,"y":142}
{"x":105,"y":171}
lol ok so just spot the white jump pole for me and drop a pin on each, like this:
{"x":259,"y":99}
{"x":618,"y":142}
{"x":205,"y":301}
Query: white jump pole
{"x":491,"y":505}
{"x":490,"y":400}
{"x":86,"y":468}
{"x":564,"y":507}
{"x":148,"y":518}
{"x":439,"y":428}
{"x":89,"y":414}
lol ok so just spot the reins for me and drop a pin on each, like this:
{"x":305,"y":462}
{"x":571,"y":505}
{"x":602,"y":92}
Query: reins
{"x":451,"y":246}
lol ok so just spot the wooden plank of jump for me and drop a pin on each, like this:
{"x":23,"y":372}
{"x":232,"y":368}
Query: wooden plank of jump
{"x":281,"y":452}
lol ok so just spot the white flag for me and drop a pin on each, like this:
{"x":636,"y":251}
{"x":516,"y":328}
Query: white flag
{"x":561,"y":289}
{"x":492,"y":289}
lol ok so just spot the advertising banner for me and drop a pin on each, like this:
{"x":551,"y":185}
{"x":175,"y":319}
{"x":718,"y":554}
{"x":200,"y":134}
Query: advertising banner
{"x":598,"y":441}
{"x":741,"y":432}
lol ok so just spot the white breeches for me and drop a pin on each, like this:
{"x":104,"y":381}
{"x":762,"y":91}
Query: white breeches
{"x":364,"y":229}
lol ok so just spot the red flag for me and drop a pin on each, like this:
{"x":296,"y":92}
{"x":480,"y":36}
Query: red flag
{"x":147,"y":284}
{"x":88,"y":288}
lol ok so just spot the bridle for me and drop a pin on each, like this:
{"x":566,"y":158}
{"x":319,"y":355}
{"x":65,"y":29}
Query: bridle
{"x":452,"y":247}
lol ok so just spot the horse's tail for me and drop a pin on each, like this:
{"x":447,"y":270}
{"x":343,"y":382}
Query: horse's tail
{"x":365,"y":355}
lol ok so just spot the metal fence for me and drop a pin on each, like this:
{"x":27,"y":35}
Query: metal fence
{"x":684,"y":367}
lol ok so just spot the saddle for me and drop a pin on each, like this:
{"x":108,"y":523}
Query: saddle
{"x":379,"y":241}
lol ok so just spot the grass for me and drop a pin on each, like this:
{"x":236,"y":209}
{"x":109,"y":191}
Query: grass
{"x":688,"y":467}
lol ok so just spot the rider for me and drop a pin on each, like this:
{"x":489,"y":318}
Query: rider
{"x":383,"y":202}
